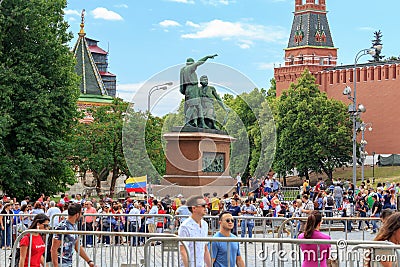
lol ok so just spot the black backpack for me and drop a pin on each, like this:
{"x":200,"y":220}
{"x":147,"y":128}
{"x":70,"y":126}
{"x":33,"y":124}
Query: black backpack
{"x":329,"y":201}
{"x":322,"y":186}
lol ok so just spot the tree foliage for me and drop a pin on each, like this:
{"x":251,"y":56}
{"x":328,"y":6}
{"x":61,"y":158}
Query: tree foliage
{"x":375,"y":42}
{"x":154,"y":146}
{"x":314,"y":132}
{"x":253,"y":111}
{"x":97,"y":146}
{"x":142,"y":140}
{"x":38,"y":97}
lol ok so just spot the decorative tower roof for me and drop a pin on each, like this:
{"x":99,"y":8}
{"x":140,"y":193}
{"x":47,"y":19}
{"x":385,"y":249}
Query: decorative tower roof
{"x":310,"y":44}
{"x":310,"y":25}
{"x":92,"y":87}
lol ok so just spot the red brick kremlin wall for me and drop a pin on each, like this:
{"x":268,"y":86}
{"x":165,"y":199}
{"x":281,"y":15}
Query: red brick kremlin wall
{"x":378,"y":89}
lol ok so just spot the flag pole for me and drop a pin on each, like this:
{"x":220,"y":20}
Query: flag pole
{"x":147,"y":191}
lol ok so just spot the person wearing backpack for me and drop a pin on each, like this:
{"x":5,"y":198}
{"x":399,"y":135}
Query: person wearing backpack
{"x":69,"y":241}
{"x":31,"y":254}
{"x":329,"y":203}
{"x":376,"y":212}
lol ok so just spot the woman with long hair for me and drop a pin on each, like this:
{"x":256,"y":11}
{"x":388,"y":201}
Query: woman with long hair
{"x":33,"y":254}
{"x":390,"y":231}
{"x":313,"y":253}
{"x":6,"y":226}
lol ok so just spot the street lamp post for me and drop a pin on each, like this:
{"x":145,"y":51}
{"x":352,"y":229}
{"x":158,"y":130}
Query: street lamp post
{"x":363,"y":143}
{"x":163,"y":86}
{"x":373,"y":165}
{"x":353,"y":109}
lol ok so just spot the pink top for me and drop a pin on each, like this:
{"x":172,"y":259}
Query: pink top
{"x":310,"y":251}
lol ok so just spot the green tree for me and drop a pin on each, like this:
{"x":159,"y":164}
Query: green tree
{"x":375,"y":42}
{"x":38,"y":97}
{"x":247,"y":148}
{"x":313,"y":132}
{"x":143,"y":150}
{"x":97,"y":146}
{"x":154,"y":146}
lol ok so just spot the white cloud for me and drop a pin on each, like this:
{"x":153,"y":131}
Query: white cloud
{"x":267,"y":65}
{"x":369,"y":29}
{"x":104,"y":13}
{"x":121,"y":6}
{"x":72,"y":12}
{"x":127,"y":91}
{"x":182,"y":1}
{"x":169,"y":23}
{"x":243,"y":32}
{"x":245,"y":44}
{"x":218,"y":2}
{"x":192,"y":24}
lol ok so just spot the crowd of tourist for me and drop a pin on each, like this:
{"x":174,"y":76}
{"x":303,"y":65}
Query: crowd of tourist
{"x":268,"y":200}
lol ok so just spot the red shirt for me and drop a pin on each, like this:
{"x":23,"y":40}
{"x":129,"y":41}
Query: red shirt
{"x":37,"y":249}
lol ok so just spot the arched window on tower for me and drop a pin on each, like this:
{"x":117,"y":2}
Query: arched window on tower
{"x":321,"y":61}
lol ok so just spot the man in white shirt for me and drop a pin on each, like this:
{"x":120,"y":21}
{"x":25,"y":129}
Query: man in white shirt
{"x":238,"y":183}
{"x":265,"y":208}
{"x":134,"y":222}
{"x":195,"y":226}
{"x":150,"y":223}
{"x":54,"y":220}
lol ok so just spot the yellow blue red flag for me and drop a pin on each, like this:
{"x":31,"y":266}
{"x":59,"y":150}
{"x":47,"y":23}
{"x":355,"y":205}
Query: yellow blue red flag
{"x":136,"y":184}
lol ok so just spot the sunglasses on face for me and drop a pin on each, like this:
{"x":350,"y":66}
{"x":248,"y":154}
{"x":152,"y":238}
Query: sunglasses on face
{"x":202,"y":205}
{"x":229,"y":220}
{"x":46,"y":225}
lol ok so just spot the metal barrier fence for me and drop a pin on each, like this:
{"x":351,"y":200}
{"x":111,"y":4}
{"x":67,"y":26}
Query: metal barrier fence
{"x":133,"y":230}
{"x":101,"y":255}
{"x":332,"y":224}
{"x":164,"y":250}
{"x":280,"y":252}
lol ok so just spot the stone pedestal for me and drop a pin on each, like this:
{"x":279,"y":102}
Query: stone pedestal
{"x":198,"y":158}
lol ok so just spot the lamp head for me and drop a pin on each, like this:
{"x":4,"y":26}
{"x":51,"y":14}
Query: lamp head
{"x":378,"y":47}
{"x":347,"y":91}
{"x":169,"y":83}
{"x":370,"y":128}
{"x":372,"y":51}
{"x":361,"y":108}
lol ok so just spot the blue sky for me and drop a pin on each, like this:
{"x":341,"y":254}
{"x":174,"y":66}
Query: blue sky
{"x":146,"y":37}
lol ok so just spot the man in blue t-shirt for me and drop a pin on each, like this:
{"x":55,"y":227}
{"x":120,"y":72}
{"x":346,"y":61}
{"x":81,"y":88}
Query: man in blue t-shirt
{"x":219,"y":250}
{"x":234,"y":209}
